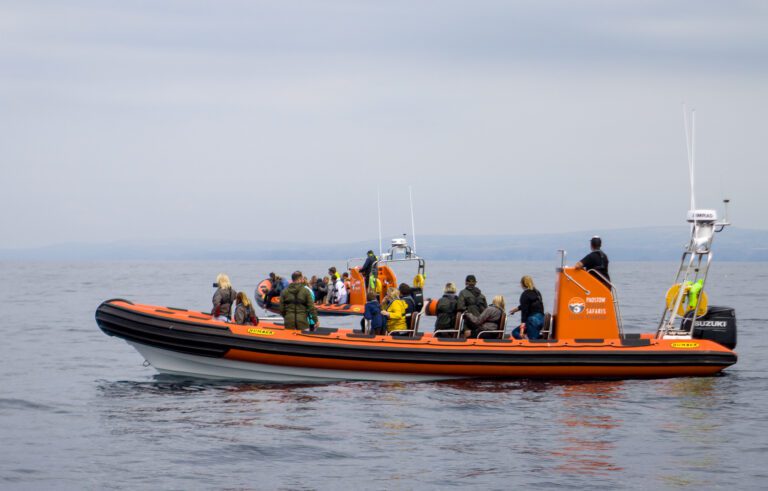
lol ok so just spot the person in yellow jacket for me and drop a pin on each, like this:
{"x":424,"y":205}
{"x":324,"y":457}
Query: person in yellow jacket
{"x":395,"y":312}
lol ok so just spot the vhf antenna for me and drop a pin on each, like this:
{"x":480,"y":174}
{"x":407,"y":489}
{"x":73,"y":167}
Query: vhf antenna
{"x":413,"y":224}
{"x":378,"y":201}
{"x":690,"y":145}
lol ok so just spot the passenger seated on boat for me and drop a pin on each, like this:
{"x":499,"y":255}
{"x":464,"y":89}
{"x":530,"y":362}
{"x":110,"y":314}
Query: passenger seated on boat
{"x":405,"y":295}
{"x":321,"y":289}
{"x":471,"y":300}
{"x":488,"y":320}
{"x":223,"y":298}
{"x":446,"y":310}
{"x":395,"y":311}
{"x":347,"y":284}
{"x":330,"y":297}
{"x":278,"y":285}
{"x":373,"y":314}
{"x":374,"y":285}
{"x":296,"y":304}
{"x":244,"y":312}
{"x":531,"y":310}
{"x":340,"y":291}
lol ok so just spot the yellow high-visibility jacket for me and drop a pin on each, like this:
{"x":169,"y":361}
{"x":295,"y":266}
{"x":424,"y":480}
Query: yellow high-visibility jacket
{"x":396,"y":320}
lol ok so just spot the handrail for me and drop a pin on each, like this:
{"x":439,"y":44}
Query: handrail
{"x":503,"y":327}
{"x":355,"y":259}
{"x":615,"y":294}
{"x":458,"y":330}
{"x":586,"y":292}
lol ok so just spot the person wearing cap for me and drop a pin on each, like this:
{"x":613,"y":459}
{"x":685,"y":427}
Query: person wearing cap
{"x":367,"y":267}
{"x":297,"y":305}
{"x":471,"y":301}
{"x":596,"y":262}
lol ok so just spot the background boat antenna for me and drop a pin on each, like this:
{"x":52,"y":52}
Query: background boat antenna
{"x":413,"y":223}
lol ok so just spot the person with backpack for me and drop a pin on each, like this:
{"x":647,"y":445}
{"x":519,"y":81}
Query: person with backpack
{"x":244,"y":312}
{"x":297,"y":305}
{"x":531,"y":310}
{"x":446,"y":310}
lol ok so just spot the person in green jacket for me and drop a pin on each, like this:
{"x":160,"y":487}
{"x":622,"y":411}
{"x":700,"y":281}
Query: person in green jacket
{"x":296,"y":304}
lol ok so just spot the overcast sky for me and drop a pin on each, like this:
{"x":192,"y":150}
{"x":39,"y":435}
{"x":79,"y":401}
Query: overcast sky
{"x":277,"y":120}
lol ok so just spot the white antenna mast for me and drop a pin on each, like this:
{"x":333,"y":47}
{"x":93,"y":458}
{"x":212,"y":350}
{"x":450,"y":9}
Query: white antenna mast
{"x":690,"y":146}
{"x":413,"y":223}
{"x":378,"y":201}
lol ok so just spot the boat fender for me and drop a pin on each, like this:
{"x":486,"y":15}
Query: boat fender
{"x":418,"y":281}
{"x":431,"y":306}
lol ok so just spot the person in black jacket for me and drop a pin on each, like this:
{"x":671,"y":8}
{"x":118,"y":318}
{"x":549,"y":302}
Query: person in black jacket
{"x":367,"y":267}
{"x":405,"y":295}
{"x":320,"y":289}
{"x":596,"y":262}
{"x":531,"y":310}
{"x":446,"y":310}
{"x":471,"y":300}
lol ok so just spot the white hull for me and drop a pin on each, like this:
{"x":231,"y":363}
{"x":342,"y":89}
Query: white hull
{"x":173,"y":363}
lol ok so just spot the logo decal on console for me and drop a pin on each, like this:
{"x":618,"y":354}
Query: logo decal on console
{"x":576,"y":305}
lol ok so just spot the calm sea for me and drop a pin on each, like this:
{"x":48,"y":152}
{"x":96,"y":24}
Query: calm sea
{"x":79,"y":411}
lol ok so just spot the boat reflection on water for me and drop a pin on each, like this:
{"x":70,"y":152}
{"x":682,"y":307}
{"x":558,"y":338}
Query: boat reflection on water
{"x":588,"y":427}
{"x":695,"y":424}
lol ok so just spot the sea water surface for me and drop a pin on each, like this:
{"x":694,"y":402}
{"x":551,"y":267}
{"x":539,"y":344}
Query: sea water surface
{"x":78,"y":410}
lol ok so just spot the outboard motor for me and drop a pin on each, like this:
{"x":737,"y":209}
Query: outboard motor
{"x":718,"y":325}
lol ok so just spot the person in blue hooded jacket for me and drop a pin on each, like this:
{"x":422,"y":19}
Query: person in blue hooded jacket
{"x":373,"y":313}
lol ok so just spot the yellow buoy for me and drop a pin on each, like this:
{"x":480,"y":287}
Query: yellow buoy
{"x":685,"y":304}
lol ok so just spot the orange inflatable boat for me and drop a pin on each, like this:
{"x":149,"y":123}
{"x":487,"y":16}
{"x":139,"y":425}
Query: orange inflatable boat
{"x":400,"y":252}
{"x":581,"y":343}
{"x":584,"y":338}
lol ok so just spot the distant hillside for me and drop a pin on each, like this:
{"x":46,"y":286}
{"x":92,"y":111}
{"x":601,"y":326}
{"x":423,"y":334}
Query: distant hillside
{"x":638,"y":244}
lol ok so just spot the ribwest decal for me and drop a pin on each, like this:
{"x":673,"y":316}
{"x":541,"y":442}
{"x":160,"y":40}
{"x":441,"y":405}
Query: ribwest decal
{"x":685,"y":345}
{"x":263,"y":332}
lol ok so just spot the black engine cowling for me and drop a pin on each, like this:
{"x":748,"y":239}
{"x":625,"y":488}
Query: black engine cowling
{"x":718,"y":325}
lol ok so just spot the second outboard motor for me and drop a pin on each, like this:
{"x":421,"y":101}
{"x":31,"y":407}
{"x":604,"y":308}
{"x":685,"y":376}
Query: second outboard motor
{"x":718,"y":325}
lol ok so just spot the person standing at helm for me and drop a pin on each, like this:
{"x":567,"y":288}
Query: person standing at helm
{"x":471,"y":301}
{"x":223,"y":298}
{"x":367,"y":267}
{"x":297,"y":305}
{"x":596,"y":261}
